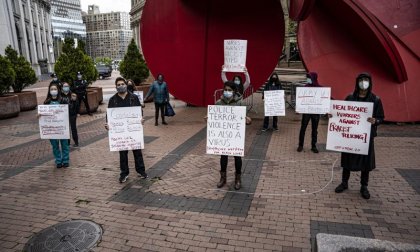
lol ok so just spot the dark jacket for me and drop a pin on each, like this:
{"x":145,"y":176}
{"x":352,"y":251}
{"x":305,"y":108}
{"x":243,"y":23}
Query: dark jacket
{"x":272,"y":85}
{"x":130,"y":100}
{"x":356,"y":162}
{"x":79,"y":87}
{"x":160,"y":92}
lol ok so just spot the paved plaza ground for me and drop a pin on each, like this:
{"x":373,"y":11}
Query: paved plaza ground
{"x":286,"y":199}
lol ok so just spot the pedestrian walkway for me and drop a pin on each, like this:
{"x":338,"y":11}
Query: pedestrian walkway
{"x":286,"y":199}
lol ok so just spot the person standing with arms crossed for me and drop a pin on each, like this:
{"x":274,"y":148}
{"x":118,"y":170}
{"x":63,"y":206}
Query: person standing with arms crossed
{"x":80,"y":88}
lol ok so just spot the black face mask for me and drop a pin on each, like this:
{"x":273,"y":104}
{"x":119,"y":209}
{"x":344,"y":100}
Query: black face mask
{"x":130,"y":88}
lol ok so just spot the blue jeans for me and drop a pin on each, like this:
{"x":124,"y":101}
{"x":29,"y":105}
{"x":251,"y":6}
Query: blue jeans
{"x":61,"y":156}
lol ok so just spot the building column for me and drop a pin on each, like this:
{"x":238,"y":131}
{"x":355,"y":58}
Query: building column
{"x":32,"y":44}
{"x":24,"y":42}
{"x":38,"y":32}
{"x":47,"y":39}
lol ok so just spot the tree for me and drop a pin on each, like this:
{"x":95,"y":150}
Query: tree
{"x":7,"y":75}
{"x":103,"y":61}
{"x":25,"y":75}
{"x":74,"y":60}
{"x":133,"y":65}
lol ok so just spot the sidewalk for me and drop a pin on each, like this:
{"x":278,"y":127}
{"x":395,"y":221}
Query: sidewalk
{"x":286,"y":199}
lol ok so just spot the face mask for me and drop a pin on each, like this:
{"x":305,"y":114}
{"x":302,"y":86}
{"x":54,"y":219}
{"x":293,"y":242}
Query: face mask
{"x":66,"y":89}
{"x":237,"y":82}
{"x":364,"y":85}
{"x":309,"y":80}
{"x":55,"y":79}
{"x":79,"y":77}
{"x":53,"y":92}
{"x":228,"y":94}
{"x":130,"y":88}
{"x":73,"y":98}
{"x":122,"y":89}
{"x":160,"y":79}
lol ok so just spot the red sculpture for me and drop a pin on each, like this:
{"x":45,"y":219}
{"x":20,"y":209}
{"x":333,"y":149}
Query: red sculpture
{"x":183,"y":39}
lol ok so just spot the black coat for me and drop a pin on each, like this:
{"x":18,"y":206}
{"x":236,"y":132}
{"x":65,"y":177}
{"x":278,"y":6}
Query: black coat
{"x":357,"y":162}
{"x":79,"y":87}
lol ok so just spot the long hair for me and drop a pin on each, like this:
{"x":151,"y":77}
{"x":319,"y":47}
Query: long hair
{"x":49,"y":96}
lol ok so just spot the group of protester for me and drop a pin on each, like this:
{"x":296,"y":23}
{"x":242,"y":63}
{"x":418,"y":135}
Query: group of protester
{"x":62,"y":93}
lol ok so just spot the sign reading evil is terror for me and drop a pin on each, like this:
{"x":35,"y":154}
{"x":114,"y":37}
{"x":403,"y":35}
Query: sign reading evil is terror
{"x":54,"y":121}
{"x":348,"y":128}
{"x":125,"y":128}
{"x":313,"y":100}
{"x":235,"y":55}
{"x":226,"y":130}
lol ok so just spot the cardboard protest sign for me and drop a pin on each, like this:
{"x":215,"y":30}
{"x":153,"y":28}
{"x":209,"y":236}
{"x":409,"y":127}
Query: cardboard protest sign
{"x":235,"y":55}
{"x":274,"y":104}
{"x":139,"y":95}
{"x":54,"y":121}
{"x":226,"y":130}
{"x":313,"y":100}
{"x":125,"y":128}
{"x":348,"y":129}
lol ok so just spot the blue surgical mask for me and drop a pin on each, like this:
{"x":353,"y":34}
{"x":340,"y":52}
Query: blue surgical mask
{"x":66,"y":89}
{"x":227,"y":94}
{"x":237,"y":82}
{"x":54,"y":92}
{"x":309,"y":80}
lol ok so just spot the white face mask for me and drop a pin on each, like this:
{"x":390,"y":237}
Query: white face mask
{"x":309,"y":80}
{"x":237,"y":82}
{"x":228,"y":94}
{"x":364,"y":84}
{"x":54,"y":92}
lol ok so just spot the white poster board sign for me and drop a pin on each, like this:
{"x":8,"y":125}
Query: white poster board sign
{"x":313,"y":100}
{"x":54,"y":121}
{"x":348,"y":129}
{"x":140,"y":96}
{"x":125,"y":128}
{"x":274,"y":104}
{"x":235,"y":55}
{"x":226,"y":130}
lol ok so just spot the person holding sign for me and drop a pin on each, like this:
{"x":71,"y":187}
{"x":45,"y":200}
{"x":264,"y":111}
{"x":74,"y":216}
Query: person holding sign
{"x":272,"y":84}
{"x":312,"y":81}
{"x":230,"y":98}
{"x":62,"y":156}
{"x":159,"y":90}
{"x":356,"y":162}
{"x":123,"y":98}
{"x":237,"y":79}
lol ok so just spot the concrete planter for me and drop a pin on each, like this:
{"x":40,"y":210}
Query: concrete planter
{"x":9,"y":106}
{"x":92,"y":100}
{"x":100,"y":93}
{"x":145,"y":88}
{"x":27,"y":100}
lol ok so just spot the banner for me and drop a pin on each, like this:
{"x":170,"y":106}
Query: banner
{"x":226,"y":130}
{"x":235,"y":55}
{"x":348,"y":129}
{"x":54,"y":121}
{"x":125,"y":128}
{"x":274,"y":104}
{"x":140,"y":96}
{"x":313,"y":100}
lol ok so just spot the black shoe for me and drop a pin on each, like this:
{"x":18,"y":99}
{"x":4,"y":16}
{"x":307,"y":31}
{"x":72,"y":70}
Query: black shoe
{"x":143,"y":176}
{"x":276,"y":129}
{"x":264,"y":129}
{"x":156,"y":123}
{"x":90,"y":114}
{"x":59,"y":166}
{"x":341,"y":187}
{"x":314,"y":149}
{"x":123,"y":179}
{"x":300,"y":149}
{"x":75,"y":145}
{"x":65,"y":165}
{"x":164,"y":123}
{"x":364,"y":192}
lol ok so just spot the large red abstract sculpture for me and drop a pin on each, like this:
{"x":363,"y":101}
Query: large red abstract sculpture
{"x":341,"y":38}
{"x":183,"y":39}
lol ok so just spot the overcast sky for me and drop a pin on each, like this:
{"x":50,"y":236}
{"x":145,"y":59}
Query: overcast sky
{"x":107,"y":5}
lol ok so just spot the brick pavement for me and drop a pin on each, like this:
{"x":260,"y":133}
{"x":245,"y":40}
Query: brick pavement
{"x":287,"y":196}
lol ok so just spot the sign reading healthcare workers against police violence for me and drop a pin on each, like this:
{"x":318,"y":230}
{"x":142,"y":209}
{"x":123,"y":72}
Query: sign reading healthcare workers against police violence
{"x":54,"y":121}
{"x":348,"y":129}
{"x":139,"y":95}
{"x":235,"y":55}
{"x":125,"y":128}
{"x":226,"y":130}
{"x":313,"y":100}
{"x":274,"y":103}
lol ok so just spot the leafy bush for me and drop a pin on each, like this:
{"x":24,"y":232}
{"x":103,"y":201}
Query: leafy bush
{"x":74,"y":60}
{"x":133,"y":65}
{"x":25,"y":75}
{"x":7,"y":75}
